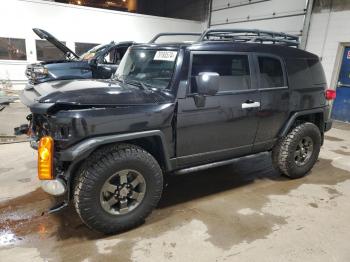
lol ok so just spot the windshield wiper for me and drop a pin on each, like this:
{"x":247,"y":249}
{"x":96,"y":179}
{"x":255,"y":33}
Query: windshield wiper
{"x":134,"y":82}
{"x":137,"y":83}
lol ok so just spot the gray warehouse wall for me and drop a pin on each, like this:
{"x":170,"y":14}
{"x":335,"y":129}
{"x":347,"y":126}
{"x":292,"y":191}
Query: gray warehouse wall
{"x":329,"y":34}
{"x":336,"y":5}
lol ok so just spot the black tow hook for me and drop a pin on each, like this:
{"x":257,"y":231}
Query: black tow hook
{"x":58,"y":207}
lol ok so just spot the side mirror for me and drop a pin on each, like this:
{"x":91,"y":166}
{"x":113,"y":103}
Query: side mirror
{"x":93,"y":62}
{"x":207,"y":83}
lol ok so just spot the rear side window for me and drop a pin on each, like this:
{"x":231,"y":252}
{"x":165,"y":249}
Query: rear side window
{"x":233,"y":70}
{"x":305,"y":73}
{"x":316,"y":70}
{"x":271,"y":73}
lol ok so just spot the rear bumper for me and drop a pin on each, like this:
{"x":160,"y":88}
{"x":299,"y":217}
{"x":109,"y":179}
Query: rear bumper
{"x":328,"y":125}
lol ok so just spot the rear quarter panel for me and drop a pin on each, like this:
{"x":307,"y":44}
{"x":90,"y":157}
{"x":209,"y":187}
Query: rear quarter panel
{"x":307,"y":84}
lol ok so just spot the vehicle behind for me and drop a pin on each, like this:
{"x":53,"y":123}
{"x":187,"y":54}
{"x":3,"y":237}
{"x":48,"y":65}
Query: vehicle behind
{"x":100,"y":62}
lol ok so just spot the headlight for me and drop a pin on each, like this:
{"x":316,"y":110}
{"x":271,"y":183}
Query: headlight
{"x":34,"y":72}
{"x":40,"y":70}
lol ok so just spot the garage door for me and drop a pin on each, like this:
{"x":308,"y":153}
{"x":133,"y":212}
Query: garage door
{"x":277,"y":15}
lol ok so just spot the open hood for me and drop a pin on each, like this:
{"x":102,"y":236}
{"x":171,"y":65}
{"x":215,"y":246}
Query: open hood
{"x":53,"y":40}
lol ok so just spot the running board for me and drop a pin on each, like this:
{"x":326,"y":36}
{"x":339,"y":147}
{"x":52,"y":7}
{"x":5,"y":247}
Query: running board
{"x":205,"y":166}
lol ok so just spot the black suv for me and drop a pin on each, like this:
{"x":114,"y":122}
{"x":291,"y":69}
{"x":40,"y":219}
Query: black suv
{"x":174,"y":108}
{"x":100,"y":62}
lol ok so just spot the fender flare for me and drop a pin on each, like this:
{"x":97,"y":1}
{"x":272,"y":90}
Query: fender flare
{"x":285,"y":129}
{"x":84,"y":148}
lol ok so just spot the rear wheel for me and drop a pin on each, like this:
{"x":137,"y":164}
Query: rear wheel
{"x":297,"y":153}
{"x":117,"y":188}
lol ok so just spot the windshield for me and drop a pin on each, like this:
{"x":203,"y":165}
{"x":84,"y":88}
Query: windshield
{"x":94,"y":52}
{"x":153,"y":68}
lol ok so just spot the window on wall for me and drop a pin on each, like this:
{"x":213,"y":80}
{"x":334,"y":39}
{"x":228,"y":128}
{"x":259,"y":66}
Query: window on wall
{"x":81,"y":48}
{"x":233,"y":70}
{"x":271,"y":73}
{"x":12,"y":49}
{"x":46,"y":51}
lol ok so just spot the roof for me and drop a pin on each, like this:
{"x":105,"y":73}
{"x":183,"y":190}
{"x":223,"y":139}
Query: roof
{"x":225,"y":46}
{"x":237,"y":40}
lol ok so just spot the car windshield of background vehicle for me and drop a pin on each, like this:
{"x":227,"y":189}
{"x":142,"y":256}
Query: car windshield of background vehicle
{"x":81,"y":48}
{"x":12,"y":49}
{"x":153,"y":68}
{"x":94,"y":52}
{"x":45,"y":51}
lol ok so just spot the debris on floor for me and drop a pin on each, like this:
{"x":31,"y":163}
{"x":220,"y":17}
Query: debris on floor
{"x":13,"y":115}
{"x":8,"y":96}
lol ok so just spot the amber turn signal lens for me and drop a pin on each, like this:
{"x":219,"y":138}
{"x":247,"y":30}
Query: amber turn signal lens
{"x":45,"y":158}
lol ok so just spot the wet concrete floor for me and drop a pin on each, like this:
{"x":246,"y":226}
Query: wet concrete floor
{"x":241,"y":212}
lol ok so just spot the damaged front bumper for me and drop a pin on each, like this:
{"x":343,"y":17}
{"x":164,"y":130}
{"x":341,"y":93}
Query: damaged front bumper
{"x":60,"y":190}
{"x":55,"y":187}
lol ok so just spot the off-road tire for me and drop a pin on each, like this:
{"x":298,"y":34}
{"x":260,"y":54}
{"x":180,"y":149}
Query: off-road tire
{"x":283,"y":153}
{"x":97,"y":169}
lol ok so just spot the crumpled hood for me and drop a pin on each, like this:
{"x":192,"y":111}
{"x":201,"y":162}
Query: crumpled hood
{"x":98,"y":93}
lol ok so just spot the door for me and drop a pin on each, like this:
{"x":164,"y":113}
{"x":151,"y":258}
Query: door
{"x":215,"y":127}
{"x":341,"y":105}
{"x":274,"y":99}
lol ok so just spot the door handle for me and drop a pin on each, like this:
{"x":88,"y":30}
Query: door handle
{"x":250,"y":105}
{"x":340,"y":84}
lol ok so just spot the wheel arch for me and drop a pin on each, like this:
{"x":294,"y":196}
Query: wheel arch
{"x":315,"y":116}
{"x":151,"y":141}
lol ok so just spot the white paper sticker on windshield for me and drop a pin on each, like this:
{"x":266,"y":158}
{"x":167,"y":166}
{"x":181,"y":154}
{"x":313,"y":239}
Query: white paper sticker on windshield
{"x":165,"y":55}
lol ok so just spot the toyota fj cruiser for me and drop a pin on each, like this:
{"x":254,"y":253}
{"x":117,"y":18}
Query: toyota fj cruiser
{"x":174,"y":108}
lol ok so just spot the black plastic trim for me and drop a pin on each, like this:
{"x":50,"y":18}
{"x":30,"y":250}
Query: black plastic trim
{"x":155,"y":38}
{"x":292,"y":119}
{"x":87,"y":146}
{"x":328,"y":125}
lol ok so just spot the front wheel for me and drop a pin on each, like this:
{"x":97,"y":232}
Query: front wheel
{"x":297,"y":153}
{"x":117,"y":188}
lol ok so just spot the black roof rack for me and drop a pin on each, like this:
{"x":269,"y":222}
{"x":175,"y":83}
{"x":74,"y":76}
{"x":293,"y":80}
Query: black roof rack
{"x":250,"y":35}
{"x":154,"y":39}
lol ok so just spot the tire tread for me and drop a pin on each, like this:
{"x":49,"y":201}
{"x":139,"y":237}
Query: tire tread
{"x":88,"y":175}
{"x":281,"y":152}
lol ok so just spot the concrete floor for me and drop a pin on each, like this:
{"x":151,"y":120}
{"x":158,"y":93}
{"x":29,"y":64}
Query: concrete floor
{"x":11,"y":116}
{"x":241,"y":212}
